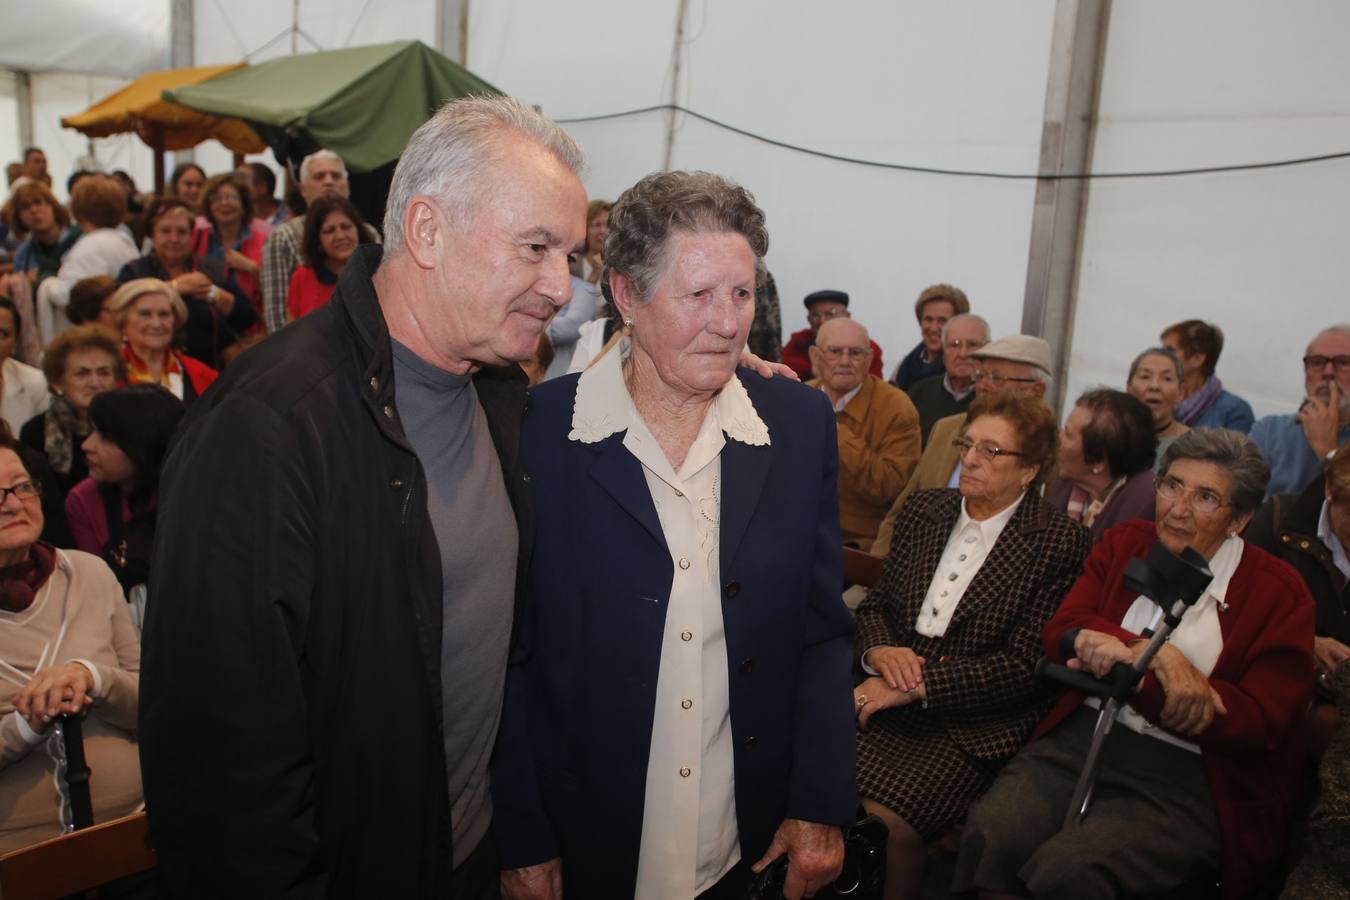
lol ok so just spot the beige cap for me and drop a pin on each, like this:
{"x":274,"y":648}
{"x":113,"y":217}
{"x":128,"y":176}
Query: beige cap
{"x":1019,"y":348}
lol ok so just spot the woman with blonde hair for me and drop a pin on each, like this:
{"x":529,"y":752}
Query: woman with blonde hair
{"x":148,"y":312}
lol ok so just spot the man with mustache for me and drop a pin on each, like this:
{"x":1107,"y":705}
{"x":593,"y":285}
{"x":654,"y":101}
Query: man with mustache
{"x":1297,"y":446}
{"x":877,"y":429}
{"x":341,"y":524}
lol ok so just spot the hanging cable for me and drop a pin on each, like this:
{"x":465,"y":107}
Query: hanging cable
{"x":962,"y":173}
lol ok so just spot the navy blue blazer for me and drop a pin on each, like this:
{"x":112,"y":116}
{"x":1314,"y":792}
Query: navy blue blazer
{"x":569,"y":774}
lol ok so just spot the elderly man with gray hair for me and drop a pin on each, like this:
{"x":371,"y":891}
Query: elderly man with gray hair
{"x":341,"y":525}
{"x":322,"y":174}
{"x":950,"y":393}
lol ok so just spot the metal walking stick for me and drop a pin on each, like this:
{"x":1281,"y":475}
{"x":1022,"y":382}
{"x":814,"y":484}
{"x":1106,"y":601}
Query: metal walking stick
{"x":1173,"y":582}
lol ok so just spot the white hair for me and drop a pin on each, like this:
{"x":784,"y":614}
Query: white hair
{"x":964,"y":317}
{"x":309,"y":161}
{"x":451,"y":156}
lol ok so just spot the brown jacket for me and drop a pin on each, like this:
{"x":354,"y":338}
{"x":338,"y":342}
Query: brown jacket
{"x":978,"y":675}
{"x":933,"y":471}
{"x":878,"y":449}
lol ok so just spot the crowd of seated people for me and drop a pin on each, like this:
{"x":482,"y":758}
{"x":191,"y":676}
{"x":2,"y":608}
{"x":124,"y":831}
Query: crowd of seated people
{"x":1000,"y":527}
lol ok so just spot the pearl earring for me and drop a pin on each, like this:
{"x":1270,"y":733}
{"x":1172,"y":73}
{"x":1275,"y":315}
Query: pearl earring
{"x":627,"y":323}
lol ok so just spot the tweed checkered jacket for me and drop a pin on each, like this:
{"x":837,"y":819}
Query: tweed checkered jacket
{"x":979,"y":674}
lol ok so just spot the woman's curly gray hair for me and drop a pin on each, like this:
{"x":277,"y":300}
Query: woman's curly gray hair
{"x":645,"y":215}
{"x":1230,"y":450}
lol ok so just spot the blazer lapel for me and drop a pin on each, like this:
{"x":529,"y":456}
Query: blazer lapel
{"x":620,"y":474}
{"x":744,"y":471}
{"x":999,"y":571}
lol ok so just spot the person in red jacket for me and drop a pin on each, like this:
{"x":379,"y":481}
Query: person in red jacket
{"x":1201,"y":774}
{"x":821,"y":306}
{"x":333,"y":231}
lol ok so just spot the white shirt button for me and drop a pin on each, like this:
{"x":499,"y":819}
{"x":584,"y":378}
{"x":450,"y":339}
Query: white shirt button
{"x":685,"y":772}
{"x":684,"y":563}
{"x":686,"y":704}
{"x":686,"y":635}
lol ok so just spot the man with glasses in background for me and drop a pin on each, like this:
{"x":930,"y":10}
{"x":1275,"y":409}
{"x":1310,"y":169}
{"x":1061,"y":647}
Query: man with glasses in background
{"x":1018,"y":364}
{"x":821,"y":307}
{"x":939,"y":396}
{"x":1297,"y":445}
{"x":877,"y":428}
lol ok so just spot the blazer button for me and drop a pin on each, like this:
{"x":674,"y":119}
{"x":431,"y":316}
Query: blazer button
{"x":388,"y":411}
{"x":395,"y":483}
{"x":750,"y":742}
{"x":374,"y":383}
{"x":747,"y":666}
{"x":1303,"y":545}
{"x":732,"y":589}
{"x":525,"y":478}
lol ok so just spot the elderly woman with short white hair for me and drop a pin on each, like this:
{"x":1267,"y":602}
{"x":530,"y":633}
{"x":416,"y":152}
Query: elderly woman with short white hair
{"x":678,"y":708}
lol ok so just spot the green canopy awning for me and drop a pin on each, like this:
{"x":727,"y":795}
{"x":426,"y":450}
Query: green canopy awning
{"x":363,"y":103}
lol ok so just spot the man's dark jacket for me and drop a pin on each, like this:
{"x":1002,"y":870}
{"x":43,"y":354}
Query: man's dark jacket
{"x":1286,"y":526}
{"x":291,"y":734}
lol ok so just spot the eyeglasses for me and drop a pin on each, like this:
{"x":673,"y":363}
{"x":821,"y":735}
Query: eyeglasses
{"x":224,"y":199}
{"x":984,"y":450}
{"x":957,"y":344}
{"x":1203,"y":500}
{"x":24,"y":490}
{"x":850,"y":352}
{"x":998,"y":380}
{"x":1318,"y":363}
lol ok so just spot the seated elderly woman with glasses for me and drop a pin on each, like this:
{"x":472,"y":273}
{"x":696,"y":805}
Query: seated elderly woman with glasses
{"x":67,"y":645}
{"x":951,"y":632}
{"x":1200,"y":774}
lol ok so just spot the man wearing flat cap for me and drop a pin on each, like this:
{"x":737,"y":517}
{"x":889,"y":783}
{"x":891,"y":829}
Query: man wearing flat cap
{"x":821,"y":307}
{"x":1017,"y":364}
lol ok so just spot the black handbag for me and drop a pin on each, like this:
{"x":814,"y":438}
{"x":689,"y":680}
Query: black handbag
{"x":863,"y":875}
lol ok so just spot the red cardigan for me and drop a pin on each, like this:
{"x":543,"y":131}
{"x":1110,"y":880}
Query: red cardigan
{"x":1264,"y":675}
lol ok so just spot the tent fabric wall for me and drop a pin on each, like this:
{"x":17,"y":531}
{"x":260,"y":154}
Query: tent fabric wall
{"x":1260,"y":253}
{"x":956,"y":85}
{"x":124,"y":38}
{"x":960,"y":84}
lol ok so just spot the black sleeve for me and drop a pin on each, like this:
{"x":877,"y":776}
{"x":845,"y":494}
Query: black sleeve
{"x":225,"y":756}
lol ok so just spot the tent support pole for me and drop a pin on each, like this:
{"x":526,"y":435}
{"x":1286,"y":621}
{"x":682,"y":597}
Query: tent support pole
{"x":1072,"y":92}
{"x":452,"y":30}
{"x":157,"y":147}
{"x":23,"y":95}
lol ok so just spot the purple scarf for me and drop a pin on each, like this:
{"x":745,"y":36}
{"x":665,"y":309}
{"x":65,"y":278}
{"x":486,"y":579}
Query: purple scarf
{"x":1197,"y":404}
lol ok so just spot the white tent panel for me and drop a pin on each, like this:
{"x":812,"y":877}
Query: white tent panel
{"x":259,"y":30}
{"x":961,"y":85}
{"x":1260,"y":253}
{"x":126,"y":38}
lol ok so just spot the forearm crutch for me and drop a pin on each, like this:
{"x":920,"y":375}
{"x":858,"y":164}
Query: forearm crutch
{"x":1173,"y":582}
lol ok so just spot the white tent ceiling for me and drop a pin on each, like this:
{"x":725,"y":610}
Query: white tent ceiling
{"x":960,"y":85}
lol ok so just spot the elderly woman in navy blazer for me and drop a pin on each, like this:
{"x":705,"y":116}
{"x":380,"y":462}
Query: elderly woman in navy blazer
{"x":678,"y":703}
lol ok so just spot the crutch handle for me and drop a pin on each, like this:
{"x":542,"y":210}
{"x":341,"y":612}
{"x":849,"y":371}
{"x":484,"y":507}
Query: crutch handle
{"x":1118,"y":684}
